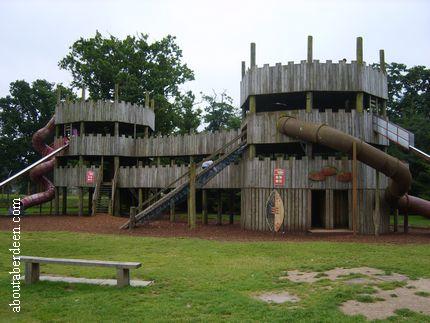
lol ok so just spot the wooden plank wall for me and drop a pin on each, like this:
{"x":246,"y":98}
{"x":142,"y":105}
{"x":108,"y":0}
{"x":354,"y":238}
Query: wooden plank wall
{"x":73,"y":176}
{"x":104,"y":111}
{"x":316,"y":76}
{"x":179,"y":145}
{"x":261,"y":127}
{"x":297,"y":204}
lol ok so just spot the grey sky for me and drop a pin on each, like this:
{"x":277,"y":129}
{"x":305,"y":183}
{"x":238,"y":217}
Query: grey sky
{"x":214,"y":35}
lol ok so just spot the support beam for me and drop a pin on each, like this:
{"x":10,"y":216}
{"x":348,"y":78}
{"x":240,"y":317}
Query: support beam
{"x":116,"y":129}
{"x":140,"y":193}
{"x":57,"y":201}
{"x":64,"y":204}
{"x":192,"y":197}
{"x":172,"y":211}
{"x":80,"y":201}
{"x":406,"y":222}
{"x":219,"y":211}
{"x":116,"y":94}
{"x":90,"y":200}
{"x":309,"y":102}
{"x":243,"y":68}
{"x":360,"y":50}
{"x":382,"y":61}
{"x":132,"y":224}
{"x":205,"y":206}
{"x":377,"y":211}
{"x":359,"y":102}
{"x":32,"y":272}
{"x":396,"y":220}
{"x":253,"y":54}
{"x":310,"y":58}
{"x":231,"y":207}
{"x":354,"y":188}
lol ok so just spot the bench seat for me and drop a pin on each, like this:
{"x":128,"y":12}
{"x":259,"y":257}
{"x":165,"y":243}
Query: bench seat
{"x":32,"y":267}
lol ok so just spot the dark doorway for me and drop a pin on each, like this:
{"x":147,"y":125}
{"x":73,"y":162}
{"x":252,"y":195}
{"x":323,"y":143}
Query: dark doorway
{"x":318,"y":208}
{"x":340,"y":212}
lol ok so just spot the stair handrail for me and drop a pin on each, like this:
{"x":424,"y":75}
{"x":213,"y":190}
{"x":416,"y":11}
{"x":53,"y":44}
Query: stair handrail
{"x":218,"y":151}
{"x":97,"y":189}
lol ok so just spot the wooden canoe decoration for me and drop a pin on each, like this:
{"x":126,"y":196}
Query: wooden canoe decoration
{"x":344,"y":177}
{"x":316,"y":176}
{"x":275,"y":211}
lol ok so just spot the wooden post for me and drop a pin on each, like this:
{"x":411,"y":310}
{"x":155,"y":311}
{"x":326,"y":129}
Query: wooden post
{"x":140,"y":193}
{"x":172,"y":211}
{"x":354,"y":187}
{"x":57,"y":201}
{"x":116,"y":94}
{"x":58,"y":94}
{"x":90,"y":200}
{"x":219,"y":211}
{"x":116,"y":134}
{"x":80,"y":201}
{"x":83,"y":94}
{"x":64,"y":205}
{"x":243,"y":68}
{"x":116,"y":209}
{"x":253,"y":64}
{"x":360,"y":50}
{"x":231,"y":207}
{"x":146,"y":99}
{"x":32,"y":272}
{"x":359,"y":104}
{"x":192,"y":196}
{"x":384,"y":108}
{"x":310,"y":58}
{"x":132,"y":224}
{"x":382,"y":61}
{"x":205,"y":206}
{"x":134,"y":131}
{"x":152,"y":104}
{"x":396,"y":220}
{"x":377,"y":211}
{"x":309,"y":101}
{"x":406,"y":222}
{"x":252,"y":110}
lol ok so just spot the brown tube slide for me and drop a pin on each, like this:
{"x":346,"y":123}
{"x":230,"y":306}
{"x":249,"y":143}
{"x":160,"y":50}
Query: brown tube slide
{"x":37,"y":173}
{"x":396,"y":192}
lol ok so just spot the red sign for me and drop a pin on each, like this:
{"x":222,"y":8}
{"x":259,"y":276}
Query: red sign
{"x":90,"y":177}
{"x":279,"y":177}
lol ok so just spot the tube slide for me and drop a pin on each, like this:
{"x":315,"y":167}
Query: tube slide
{"x":396,"y":192}
{"x":37,"y":173}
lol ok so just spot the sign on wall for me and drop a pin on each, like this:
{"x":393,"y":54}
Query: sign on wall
{"x":279,"y":177}
{"x":90,"y":177}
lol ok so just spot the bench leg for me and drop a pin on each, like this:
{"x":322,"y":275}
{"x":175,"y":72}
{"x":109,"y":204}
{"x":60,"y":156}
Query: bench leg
{"x":32,"y":271}
{"x":123,"y":277}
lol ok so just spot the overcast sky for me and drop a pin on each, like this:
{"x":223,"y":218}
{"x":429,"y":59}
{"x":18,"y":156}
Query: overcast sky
{"x":214,"y":35}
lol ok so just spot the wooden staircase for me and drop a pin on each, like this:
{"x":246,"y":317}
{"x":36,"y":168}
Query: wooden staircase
{"x":156,"y":207}
{"x":104,"y":199}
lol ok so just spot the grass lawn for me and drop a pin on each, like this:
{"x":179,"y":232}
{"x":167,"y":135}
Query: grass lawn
{"x":198,"y":280}
{"x":414,"y":221}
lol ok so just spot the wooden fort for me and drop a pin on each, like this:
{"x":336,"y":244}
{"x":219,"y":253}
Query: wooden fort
{"x":114,"y":156}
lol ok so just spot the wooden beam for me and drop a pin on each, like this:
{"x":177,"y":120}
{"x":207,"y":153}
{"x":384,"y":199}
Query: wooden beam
{"x":64,"y":204}
{"x":354,"y":188}
{"x":377,"y":211}
{"x":243,"y":68}
{"x":309,"y":102}
{"x":253,"y":54}
{"x":80,"y":201}
{"x":205,"y":206}
{"x":132,"y":224}
{"x":382,"y":61}
{"x":406,"y":222}
{"x":252,"y":105}
{"x":192,"y":196}
{"x":310,"y":58}
{"x":83,"y":94}
{"x":90,"y":200}
{"x":172,"y":211}
{"x":140,"y":193}
{"x":219,"y":210}
{"x":396,"y":220}
{"x":359,"y":102}
{"x":57,"y":201}
{"x":231,"y":207}
{"x":116,"y":94}
{"x":360,"y":50}
{"x":116,"y":133}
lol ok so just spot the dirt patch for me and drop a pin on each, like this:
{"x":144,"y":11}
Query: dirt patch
{"x":392,"y":300}
{"x":382,"y":303}
{"x":105,"y":224}
{"x":278,"y":298}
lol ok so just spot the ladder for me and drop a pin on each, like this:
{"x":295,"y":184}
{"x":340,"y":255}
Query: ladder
{"x":180,"y":193}
{"x":104,"y":199}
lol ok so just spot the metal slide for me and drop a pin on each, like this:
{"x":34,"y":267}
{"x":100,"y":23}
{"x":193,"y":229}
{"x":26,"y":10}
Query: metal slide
{"x":40,"y":167}
{"x":396,"y":192}
{"x":397,"y":135}
{"x":180,"y":193}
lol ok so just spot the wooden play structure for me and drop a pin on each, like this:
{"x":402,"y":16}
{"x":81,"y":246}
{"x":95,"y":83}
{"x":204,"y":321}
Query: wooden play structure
{"x":114,"y":157}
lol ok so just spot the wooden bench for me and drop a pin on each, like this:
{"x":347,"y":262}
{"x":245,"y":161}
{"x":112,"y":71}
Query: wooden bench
{"x":32,"y":267}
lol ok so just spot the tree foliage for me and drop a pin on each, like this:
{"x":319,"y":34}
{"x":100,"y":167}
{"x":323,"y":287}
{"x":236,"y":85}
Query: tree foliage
{"x":137,"y":66}
{"x":26,"y":109}
{"x":409,"y":106}
{"x":220,"y":113}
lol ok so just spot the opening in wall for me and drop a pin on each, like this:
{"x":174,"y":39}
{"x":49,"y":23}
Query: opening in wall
{"x":318,"y":208}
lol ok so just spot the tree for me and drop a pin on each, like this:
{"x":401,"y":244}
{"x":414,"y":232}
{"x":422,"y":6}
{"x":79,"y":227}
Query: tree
{"x":190,"y":117}
{"x":28,"y":108}
{"x":409,"y":106}
{"x":220,"y":113}
{"x":136,"y":65}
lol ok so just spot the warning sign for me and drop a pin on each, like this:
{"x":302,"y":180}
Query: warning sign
{"x":279,"y":177}
{"x":90,"y":177}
